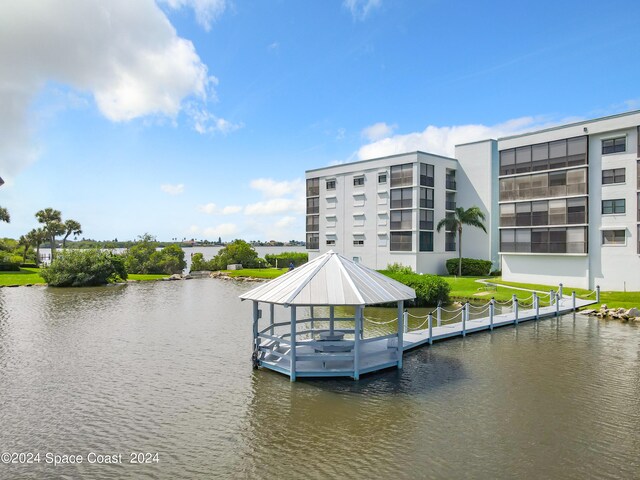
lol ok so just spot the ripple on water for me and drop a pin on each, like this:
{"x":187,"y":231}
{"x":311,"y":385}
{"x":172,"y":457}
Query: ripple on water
{"x":165,"y":367}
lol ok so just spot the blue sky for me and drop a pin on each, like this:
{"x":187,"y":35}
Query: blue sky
{"x":198,"y":118}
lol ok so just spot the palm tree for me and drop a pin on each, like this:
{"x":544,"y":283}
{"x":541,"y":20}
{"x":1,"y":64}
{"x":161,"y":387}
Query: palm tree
{"x":53,"y":226}
{"x":25,"y":242}
{"x":4,"y":215}
{"x":472,"y":216}
{"x":71,"y":227}
{"x":37,"y":237}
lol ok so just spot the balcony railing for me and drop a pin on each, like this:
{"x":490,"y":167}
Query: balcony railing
{"x":450,"y":184}
{"x":450,"y":205}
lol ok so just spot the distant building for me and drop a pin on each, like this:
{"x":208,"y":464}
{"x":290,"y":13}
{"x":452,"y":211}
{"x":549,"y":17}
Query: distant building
{"x":562,"y":205}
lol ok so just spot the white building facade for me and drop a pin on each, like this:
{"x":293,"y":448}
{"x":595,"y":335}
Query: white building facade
{"x":562,"y":206}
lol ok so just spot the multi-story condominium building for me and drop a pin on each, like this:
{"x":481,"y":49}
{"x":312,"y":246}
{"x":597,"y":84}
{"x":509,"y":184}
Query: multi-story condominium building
{"x":562,"y":205}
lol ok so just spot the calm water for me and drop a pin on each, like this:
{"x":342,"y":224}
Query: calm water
{"x":164,"y":367}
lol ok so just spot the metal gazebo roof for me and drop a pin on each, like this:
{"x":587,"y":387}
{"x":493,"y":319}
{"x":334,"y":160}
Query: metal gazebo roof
{"x":330,"y":279}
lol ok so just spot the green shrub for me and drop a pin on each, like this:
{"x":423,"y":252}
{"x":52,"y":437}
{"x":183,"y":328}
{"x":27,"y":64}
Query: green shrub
{"x":9,"y":267}
{"x":235,"y":252}
{"x":144,"y":258}
{"x":471,"y":267}
{"x":283,"y":259}
{"x":84,"y":268}
{"x":430,"y":289}
{"x":398,"y":268}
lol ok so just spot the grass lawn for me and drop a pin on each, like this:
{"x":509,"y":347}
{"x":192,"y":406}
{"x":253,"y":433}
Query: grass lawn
{"x":257,"y":272}
{"x":23,"y":277}
{"x":143,"y":277}
{"x":469,"y":288}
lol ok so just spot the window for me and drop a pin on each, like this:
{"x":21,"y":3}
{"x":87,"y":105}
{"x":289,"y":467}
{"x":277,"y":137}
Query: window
{"x":540,"y":213}
{"x":402,"y":198}
{"x":614,"y":175}
{"x":450,"y":202}
{"x":576,"y":210}
{"x":426,"y":175}
{"x":313,"y":223}
{"x":426,"y":198}
{"x":577,"y":151}
{"x":331,"y":242}
{"x":557,"y":240}
{"x":523,"y":214}
{"x":450,"y":242}
{"x":523,"y":159}
{"x":358,"y":242}
{"x":382,"y":178}
{"x":613,"y":206}
{"x":313,"y":187}
{"x":508,"y":215}
{"x":400,"y":242}
{"x":540,"y":157}
{"x":426,"y":241}
{"x":614,"y":145}
{"x":401,"y":219}
{"x":426,"y":219}
{"x":358,"y":181}
{"x":544,"y":240}
{"x":313,"y":205}
{"x":613,"y":237}
{"x":577,"y":182}
{"x":508,"y":162}
{"x":313,"y":241}
{"x":507,"y":240}
{"x":523,"y":240}
{"x":557,"y":212}
{"x":577,"y":240}
{"x":450,"y":180}
{"x":402,"y":175}
{"x":558,"y":154}
{"x":331,"y":184}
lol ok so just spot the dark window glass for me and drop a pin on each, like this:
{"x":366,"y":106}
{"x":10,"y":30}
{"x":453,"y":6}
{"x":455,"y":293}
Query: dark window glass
{"x":313,"y":241}
{"x":331,"y":242}
{"x":523,"y":159}
{"x":426,"y":241}
{"x":358,"y":243}
{"x":426,"y":198}
{"x":382,"y":178}
{"x":450,"y":202}
{"x":540,"y":157}
{"x":540,"y":240}
{"x":540,"y":213}
{"x":450,"y":180}
{"x":613,"y":206}
{"x":613,"y":237}
{"x":558,"y":154}
{"x":508,"y":162}
{"x":614,"y":175}
{"x":313,"y":187}
{"x":401,"y":219}
{"x":426,"y":175}
{"x":426,"y":219}
{"x":450,"y":242}
{"x":557,"y":240}
{"x":577,"y":151}
{"x":402,"y":198}
{"x":358,"y":181}
{"x":313,"y":223}
{"x":402,"y":175}
{"x":614,"y":145}
{"x":507,"y":240}
{"x":331,"y":184}
{"x":523,"y":214}
{"x":313,"y":205}
{"x":400,"y":242}
{"x":576,"y":210}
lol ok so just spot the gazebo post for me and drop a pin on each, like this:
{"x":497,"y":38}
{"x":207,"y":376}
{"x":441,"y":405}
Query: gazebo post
{"x":292,"y":353}
{"x":400,"y":331}
{"x":256,"y":342}
{"x":312,"y":322}
{"x":271,"y":317}
{"x":331,"y":317}
{"x":356,"y":345}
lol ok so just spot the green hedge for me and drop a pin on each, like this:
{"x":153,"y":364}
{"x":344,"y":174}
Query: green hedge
{"x":83,"y":268}
{"x":430,"y":289}
{"x":9,"y":267}
{"x":285,"y":258}
{"x":471,"y":267}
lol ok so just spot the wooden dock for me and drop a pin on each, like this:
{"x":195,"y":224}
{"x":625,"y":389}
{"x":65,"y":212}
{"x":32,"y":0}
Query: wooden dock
{"x":378,"y":353}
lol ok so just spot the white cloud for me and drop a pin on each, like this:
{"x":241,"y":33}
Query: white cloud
{"x":273,"y":46}
{"x":212,"y":209}
{"x":207,"y":11}
{"x":285,"y":222}
{"x":360,"y":9}
{"x":206,"y":122}
{"x":442,"y":140}
{"x":378,"y":131}
{"x":231,"y":209}
{"x":125,"y":54}
{"x":272,"y":188}
{"x":172,"y":189}
{"x":275,"y":206}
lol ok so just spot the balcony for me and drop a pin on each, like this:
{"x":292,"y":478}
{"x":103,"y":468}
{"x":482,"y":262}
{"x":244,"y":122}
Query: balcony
{"x":450,"y":183}
{"x":450,"y":205}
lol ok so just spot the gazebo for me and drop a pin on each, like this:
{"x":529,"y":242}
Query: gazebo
{"x":315,"y":346}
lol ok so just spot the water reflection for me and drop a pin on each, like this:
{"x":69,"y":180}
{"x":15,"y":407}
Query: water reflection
{"x":166,"y":367}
